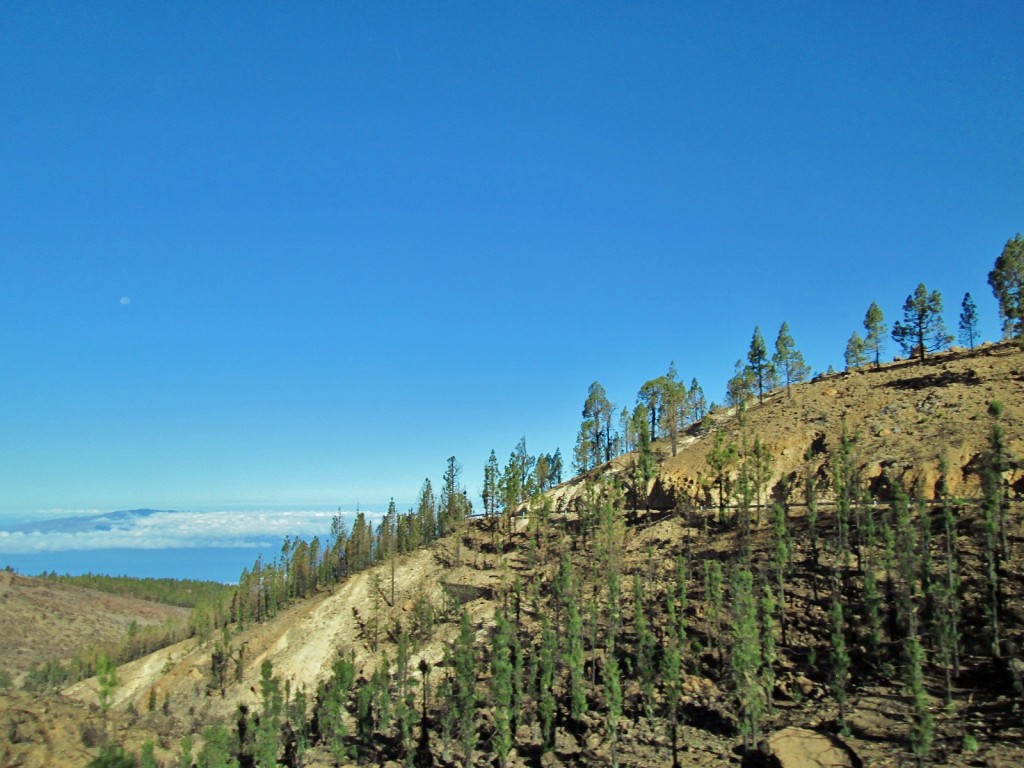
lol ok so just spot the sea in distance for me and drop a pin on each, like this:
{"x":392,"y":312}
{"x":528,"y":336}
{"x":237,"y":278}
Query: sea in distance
{"x":202,"y":544}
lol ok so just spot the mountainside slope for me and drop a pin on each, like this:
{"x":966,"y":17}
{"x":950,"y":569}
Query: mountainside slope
{"x":904,"y":416}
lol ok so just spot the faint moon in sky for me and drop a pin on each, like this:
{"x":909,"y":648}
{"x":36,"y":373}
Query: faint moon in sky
{"x":125,"y":300}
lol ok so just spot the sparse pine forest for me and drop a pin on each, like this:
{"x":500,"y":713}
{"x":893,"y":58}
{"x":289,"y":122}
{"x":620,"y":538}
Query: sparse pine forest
{"x":715,"y":585}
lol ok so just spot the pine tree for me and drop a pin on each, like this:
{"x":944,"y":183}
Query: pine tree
{"x":426,"y":512}
{"x":811,"y":501}
{"x":106,"y":681}
{"x":366,"y":717}
{"x":676,"y":408}
{"x":787,"y":360}
{"x":713,"y":602}
{"x":855,"y":356}
{"x":678,"y":627}
{"x":859,"y":498}
{"x":999,"y":462}
{"x":574,"y":662}
{"x":613,"y":701}
{"x":1007,"y":282}
{"x":645,"y":647}
{"x":568,"y":616}
{"x":720,"y":459}
{"x":922,"y":329}
{"x":968,"y":322}
{"x":745,"y":659}
{"x":611,"y":544}
{"x":423,"y":757}
{"x":892,"y":601}
{"x":761,"y":469}
{"x":185,"y":751}
{"x":449,"y":714}
{"x":873,"y":608}
{"x":268,"y":731}
{"x":675,"y":643}
{"x":113,"y":756}
{"x":453,"y":507}
{"x":925,"y":566}
{"x":597,"y":415}
{"x":840,"y":658}
{"x":922,"y":730}
{"x":501,"y":688}
{"x":780,"y":561}
{"x":331,"y":711}
{"x":337,"y":547}
{"x":906,"y":554}
{"x":540,"y":481}
{"x":627,"y":435}
{"x":490,"y":495}
{"x":583,"y":458}
{"x":545,"y":684}
{"x":374,"y":625}
{"x":516,"y":654}
{"x":844,"y":486}
{"x":875,"y":328}
{"x":769,"y":656}
{"x":216,"y":749}
{"x":556,"y":467}
{"x":872,"y":597}
{"x":744,"y":494}
{"x":523,"y":463}
{"x":760,"y":365}
{"x":993,"y":514}
{"x":465,"y":688}
{"x":512,"y":494}
{"x":297,"y":718}
{"x":740,"y":388}
{"x":644,"y":467}
{"x":948,"y":650}
{"x":218,"y":669}
{"x":652,"y":396}
{"x":671,"y":673}
{"x":147,"y":758}
{"x":946,"y":633}
{"x":698,"y":403}
{"x":592,"y":629}
{"x":405,"y":699}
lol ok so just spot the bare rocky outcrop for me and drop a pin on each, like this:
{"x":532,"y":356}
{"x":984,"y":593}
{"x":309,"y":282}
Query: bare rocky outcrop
{"x":802,"y":748}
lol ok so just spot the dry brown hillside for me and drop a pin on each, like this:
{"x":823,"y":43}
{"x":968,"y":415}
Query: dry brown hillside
{"x":45,"y":620}
{"x":904,"y":416}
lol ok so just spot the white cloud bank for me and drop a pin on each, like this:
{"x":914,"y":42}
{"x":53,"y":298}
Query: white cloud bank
{"x":174,"y":530}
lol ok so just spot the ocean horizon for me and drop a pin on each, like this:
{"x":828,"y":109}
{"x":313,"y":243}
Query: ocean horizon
{"x":213,"y":544}
{"x":221,"y":564}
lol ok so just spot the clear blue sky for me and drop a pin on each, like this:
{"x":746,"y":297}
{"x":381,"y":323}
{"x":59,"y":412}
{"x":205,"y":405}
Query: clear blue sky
{"x":300,"y":253}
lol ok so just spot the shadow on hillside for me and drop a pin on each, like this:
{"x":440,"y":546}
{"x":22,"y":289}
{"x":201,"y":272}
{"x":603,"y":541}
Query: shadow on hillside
{"x":936,"y":379}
